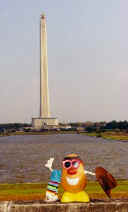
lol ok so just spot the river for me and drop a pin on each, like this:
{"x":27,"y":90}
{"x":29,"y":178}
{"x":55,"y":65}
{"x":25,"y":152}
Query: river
{"x":22,"y":158}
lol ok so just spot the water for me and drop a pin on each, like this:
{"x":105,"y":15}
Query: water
{"x":22,"y":158}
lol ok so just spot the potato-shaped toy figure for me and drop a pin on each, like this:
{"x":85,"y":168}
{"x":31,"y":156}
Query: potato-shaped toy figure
{"x":73,"y":179}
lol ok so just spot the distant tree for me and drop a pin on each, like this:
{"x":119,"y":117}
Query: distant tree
{"x":112,"y":125}
{"x":123,"y":125}
{"x":90,"y":129}
{"x":14,"y":125}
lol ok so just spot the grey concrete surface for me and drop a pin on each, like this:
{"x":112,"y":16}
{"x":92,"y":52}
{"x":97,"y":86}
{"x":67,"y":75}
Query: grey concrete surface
{"x":114,"y":206}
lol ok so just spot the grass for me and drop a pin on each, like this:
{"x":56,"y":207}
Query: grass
{"x":111,"y":135}
{"x":38,"y":133}
{"x":22,"y":191}
{"x":36,"y":191}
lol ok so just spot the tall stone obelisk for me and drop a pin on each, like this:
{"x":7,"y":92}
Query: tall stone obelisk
{"x":44,"y":119}
{"x":44,"y":92}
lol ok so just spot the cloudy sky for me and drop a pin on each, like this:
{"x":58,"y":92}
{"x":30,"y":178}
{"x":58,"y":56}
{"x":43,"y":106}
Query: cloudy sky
{"x":87,"y":58}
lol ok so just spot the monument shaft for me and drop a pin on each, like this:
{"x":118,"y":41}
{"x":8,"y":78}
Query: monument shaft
{"x":44,"y":92}
{"x":44,"y":120}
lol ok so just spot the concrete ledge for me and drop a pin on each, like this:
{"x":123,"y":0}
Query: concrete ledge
{"x":39,"y":206}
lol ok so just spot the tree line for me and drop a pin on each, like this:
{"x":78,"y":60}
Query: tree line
{"x":88,"y":126}
{"x":14,"y":126}
{"x":102,"y":126}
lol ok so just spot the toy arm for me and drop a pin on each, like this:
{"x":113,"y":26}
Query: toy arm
{"x":87,"y":172}
{"x":49,"y":164}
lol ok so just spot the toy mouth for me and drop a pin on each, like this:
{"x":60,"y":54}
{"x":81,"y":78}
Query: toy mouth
{"x":72,"y":181}
{"x":72,"y":171}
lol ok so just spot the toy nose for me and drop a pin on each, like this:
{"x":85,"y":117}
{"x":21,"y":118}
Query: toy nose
{"x":72,"y":171}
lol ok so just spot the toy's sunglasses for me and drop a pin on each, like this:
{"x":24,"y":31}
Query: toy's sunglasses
{"x":67,"y":164}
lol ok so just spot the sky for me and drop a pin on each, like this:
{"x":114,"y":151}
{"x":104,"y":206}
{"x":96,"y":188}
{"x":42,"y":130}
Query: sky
{"x":87,"y":59}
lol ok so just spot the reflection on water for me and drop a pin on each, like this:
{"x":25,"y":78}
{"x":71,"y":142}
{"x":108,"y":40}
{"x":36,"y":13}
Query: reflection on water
{"x":22,"y":158}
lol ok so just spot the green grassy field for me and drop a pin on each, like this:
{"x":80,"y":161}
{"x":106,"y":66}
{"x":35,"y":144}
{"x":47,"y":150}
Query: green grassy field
{"x":110,"y":135}
{"x":33,"y":191}
{"x":120,"y":136}
{"x":38,"y":133}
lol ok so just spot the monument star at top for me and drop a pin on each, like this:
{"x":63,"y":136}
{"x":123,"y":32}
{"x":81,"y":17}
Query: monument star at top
{"x":45,"y":117}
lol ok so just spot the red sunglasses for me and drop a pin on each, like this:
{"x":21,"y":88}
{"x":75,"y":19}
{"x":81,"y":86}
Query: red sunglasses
{"x":67,"y":164}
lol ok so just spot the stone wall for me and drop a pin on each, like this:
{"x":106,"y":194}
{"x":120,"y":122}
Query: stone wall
{"x":38,"y":206}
